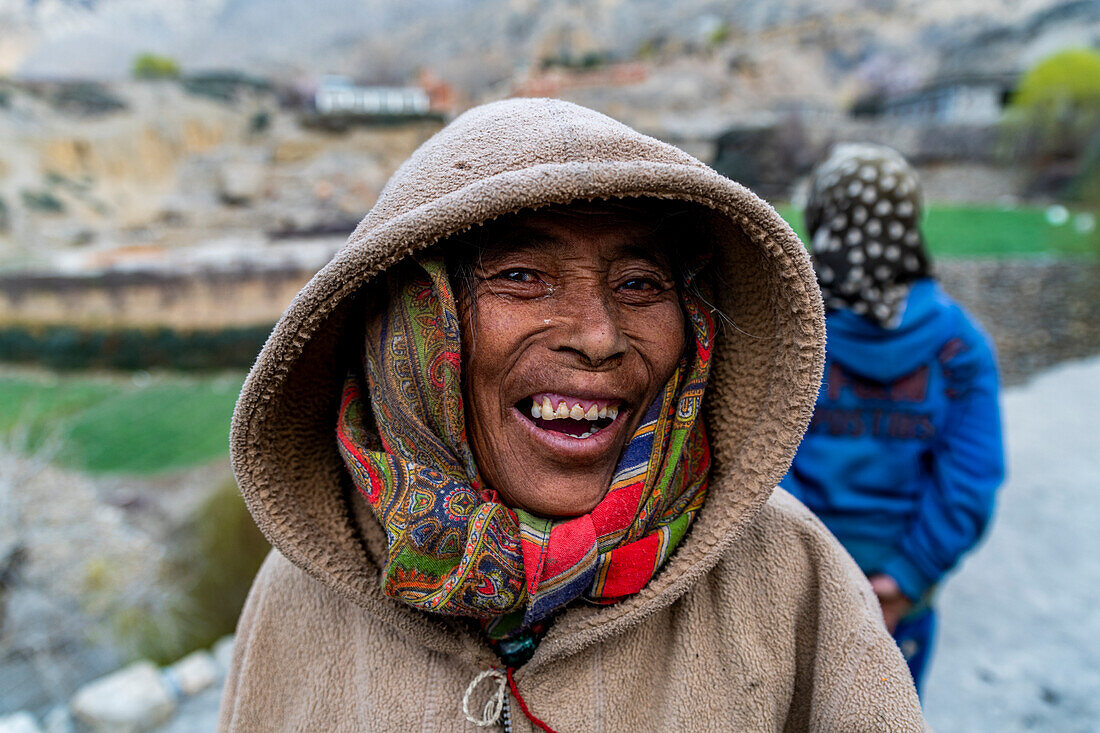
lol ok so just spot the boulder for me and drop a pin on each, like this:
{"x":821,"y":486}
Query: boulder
{"x":21,"y":722}
{"x":240,"y":181}
{"x":58,"y":720}
{"x":223,"y":653}
{"x":194,"y":673}
{"x":132,"y":700}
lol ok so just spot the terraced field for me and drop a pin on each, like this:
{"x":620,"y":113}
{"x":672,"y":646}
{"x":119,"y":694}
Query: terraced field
{"x":992,"y":231}
{"x":137,"y":424}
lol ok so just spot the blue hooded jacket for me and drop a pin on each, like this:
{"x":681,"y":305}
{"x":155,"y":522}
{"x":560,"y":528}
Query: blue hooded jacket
{"x":904,"y":453}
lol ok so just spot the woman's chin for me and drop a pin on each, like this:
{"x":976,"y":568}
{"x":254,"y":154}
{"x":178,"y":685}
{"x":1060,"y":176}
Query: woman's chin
{"x":567,"y":501}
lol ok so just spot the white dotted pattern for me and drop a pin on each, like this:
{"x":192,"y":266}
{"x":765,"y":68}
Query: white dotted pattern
{"x":864,"y":206}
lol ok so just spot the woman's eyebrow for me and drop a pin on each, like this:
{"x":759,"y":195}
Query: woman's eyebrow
{"x":653,"y":253}
{"x":520,"y":239}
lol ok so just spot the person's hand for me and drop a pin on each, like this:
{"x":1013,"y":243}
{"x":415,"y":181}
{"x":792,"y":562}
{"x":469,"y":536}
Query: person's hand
{"x":894,"y":603}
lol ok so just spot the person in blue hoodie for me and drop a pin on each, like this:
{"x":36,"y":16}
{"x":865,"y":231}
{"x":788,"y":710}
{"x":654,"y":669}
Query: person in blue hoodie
{"x":904,"y":453}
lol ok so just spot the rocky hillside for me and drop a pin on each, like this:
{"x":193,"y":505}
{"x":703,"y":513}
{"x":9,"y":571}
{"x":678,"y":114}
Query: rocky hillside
{"x":802,"y":48}
{"x":137,"y":167}
{"x":134,"y":167}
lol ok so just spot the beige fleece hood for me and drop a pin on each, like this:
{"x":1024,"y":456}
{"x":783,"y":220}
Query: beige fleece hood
{"x":759,"y":621}
{"x":493,"y":160}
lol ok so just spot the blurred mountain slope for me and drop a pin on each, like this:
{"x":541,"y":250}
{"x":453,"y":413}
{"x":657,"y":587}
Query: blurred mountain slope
{"x":481,"y":42}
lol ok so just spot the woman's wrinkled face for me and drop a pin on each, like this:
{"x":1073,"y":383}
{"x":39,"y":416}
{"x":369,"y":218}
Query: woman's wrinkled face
{"x":573,"y":327}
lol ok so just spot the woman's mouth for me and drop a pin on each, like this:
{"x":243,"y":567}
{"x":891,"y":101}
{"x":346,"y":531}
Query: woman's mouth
{"x":574,"y":417}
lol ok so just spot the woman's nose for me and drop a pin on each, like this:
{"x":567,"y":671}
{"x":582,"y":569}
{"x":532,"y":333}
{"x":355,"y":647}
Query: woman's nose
{"x":592,"y":329}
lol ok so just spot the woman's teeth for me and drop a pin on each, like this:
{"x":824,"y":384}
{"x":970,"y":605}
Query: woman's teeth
{"x":546,"y":411}
{"x":578,"y":418}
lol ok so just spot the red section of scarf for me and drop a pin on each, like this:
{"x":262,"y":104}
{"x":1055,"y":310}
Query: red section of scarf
{"x":569,"y":543}
{"x":631,"y":567}
{"x":618,"y":509}
{"x":572,"y":540}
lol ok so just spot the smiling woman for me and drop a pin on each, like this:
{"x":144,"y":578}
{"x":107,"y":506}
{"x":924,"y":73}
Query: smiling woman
{"x":576,"y":307}
{"x":516,"y":475}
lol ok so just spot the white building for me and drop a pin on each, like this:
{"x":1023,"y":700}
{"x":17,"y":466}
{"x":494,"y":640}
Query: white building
{"x":337,"y":95}
{"x":973,"y":100}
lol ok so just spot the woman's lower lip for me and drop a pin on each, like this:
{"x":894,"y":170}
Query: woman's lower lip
{"x":567,"y":446}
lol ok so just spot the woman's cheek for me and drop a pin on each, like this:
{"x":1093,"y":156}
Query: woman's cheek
{"x":659,"y":335}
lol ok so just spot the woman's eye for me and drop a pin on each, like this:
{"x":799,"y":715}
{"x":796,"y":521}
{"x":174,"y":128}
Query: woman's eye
{"x":518,"y":282}
{"x":641,"y":284}
{"x":518,"y":275}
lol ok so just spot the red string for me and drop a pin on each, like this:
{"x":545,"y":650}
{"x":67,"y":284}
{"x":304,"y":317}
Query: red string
{"x":523,"y":705}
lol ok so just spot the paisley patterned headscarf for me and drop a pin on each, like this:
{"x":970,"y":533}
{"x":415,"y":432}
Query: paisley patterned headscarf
{"x":454,"y":548}
{"x":863,"y":216}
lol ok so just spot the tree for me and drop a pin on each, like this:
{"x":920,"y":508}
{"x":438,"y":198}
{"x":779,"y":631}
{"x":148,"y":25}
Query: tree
{"x":152,"y":66}
{"x":1056,"y":108}
{"x":1066,"y":80}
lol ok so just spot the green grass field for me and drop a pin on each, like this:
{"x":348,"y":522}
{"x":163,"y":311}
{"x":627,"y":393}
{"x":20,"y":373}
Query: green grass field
{"x":991,"y":231}
{"x":105,"y":424}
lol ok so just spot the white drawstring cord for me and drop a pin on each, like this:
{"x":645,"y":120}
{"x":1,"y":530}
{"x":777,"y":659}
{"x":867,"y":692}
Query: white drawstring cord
{"x":491,"y":714}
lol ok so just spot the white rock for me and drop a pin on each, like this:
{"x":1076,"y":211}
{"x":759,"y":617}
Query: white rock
{"x":58,"y":720}
{"x":131,"y":700}
{"x":223,"y":653}
{"x":21,"y":722}
{"x":194,"y":673}
{"x":240,"y":181}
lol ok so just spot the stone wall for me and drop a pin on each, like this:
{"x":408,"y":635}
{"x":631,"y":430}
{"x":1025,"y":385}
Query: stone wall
{"x":1039,"y":312}
{"x":115,"y":300}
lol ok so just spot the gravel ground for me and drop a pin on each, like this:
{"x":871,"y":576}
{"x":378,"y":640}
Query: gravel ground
{"x":1019,"y":648}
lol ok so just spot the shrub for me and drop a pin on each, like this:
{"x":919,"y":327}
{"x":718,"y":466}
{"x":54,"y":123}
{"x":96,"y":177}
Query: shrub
{"x":1056,"y":108}
{"x":1066,"y":79}
{"x":718,"y":33}
{"x":70,"y":347}
{"x":89,"y":99}
{"x":228,"y":551}
{"x":43,"y":201}
{"x":200,"y":591}
{"x":152,"y":66}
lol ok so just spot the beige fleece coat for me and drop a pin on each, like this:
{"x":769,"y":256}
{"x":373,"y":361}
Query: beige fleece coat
{"x":759,"y":621}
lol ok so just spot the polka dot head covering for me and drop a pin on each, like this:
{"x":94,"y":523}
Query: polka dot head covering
{"x":862,"y":214}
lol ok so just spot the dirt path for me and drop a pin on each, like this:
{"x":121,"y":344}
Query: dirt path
{"x":1020,"y":624}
